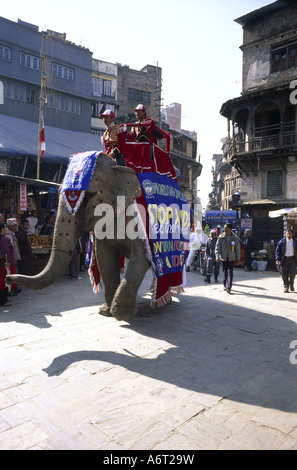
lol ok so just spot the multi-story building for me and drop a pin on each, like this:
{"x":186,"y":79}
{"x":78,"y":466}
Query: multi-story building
{"x":138,"y":86}
{"x":226,"y":182}
{"x":43,"y":66}
{"x":104,"y":92}
{"x":41,"y":74}
{"x":183,"y":153}
{"x":262,"y":121}
{"x":171,"y":115}
{"x":42,"y":71}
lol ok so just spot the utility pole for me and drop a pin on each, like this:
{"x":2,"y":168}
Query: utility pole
{"x":158,"y":90}
{"x":41,"y":102}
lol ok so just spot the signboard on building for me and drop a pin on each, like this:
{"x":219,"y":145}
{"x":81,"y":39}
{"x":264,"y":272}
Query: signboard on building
{"x":23,"y":196}
{"x":220,"y":217}
{"x":246,"y":223}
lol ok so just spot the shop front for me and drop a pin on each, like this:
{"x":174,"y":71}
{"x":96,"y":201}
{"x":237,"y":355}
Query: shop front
{"x":18,"y":197}
{"x":267,"y":224}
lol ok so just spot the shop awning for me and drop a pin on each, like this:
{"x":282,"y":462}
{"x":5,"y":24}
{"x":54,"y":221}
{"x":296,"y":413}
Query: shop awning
{"x":269,"y":202}
{"x":20,"y":137}
{"x":279,"y":213}
{"x":289,"y":213}
{"x":29,"y":181}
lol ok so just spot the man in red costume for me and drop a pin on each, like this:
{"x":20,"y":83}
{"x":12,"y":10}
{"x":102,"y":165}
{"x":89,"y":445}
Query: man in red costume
{"x":110,"y":137}
{"x":142,"y":133}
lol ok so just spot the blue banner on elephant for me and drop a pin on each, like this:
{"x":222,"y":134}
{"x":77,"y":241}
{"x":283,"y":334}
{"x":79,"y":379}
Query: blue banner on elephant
{"x":168,"y":222}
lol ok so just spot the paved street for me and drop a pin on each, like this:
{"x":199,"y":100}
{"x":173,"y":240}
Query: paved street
{"x":210,"y":371}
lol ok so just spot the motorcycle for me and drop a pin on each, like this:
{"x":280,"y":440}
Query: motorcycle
{"x":199,"y":261}
{"x":202,"y":260}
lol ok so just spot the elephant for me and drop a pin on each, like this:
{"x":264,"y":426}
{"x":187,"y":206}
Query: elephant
{"x":108,"y":182}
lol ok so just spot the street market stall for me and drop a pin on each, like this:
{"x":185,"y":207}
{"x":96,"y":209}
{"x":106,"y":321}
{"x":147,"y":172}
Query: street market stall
{"x":41,"y":248}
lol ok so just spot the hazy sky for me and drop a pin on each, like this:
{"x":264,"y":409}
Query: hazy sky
{"x":195,"y":42}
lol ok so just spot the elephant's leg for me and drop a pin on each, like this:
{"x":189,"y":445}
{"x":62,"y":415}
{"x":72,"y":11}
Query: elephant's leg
{"x":124,"y":302}
{"x":108,"y":263}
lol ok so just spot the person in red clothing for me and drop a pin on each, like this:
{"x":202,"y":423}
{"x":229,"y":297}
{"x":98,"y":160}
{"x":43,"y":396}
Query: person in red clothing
{"x":110,"y":137}
{"x":6,"y":260}
{"x":144,"y":132}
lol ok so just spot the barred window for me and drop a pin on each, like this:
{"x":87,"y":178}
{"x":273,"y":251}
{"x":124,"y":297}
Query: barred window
{"x":275,"y":183}
{"x":139,"y":95}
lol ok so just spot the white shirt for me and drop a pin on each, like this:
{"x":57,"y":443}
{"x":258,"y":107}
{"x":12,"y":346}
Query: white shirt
{"x":32,"y":224}
{"x":289,"y":247}
{"x":204,"y":238}
{"x":195,"y":242}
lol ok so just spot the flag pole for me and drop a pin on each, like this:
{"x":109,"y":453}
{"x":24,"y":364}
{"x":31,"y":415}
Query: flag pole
{"x":40,"y":105}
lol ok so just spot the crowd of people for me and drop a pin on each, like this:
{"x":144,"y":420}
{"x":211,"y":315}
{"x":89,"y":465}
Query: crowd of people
{"x":16,"y":251}
{"x":219,"y":248}
{"x":224,"y":249}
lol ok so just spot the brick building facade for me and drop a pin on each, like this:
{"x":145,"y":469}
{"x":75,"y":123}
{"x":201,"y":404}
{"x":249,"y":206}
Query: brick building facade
{"x":138,"y":86}
{"x":262,"y":121}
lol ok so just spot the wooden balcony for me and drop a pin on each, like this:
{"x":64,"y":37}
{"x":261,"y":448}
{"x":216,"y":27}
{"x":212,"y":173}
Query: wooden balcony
{"x":265,"y":138}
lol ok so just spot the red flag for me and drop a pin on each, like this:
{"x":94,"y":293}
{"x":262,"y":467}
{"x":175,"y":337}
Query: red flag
{"x":42,"y":137}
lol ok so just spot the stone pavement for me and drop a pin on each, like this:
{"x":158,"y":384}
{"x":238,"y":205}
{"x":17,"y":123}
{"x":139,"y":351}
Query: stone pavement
{"x":210,"y":371}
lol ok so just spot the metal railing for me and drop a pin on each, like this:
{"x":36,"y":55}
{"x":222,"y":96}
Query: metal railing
{"x":264,"y":142}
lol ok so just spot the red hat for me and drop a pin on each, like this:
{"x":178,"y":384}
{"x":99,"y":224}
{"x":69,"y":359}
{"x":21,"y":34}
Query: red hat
{"x":108,"y":112}
{"x":140,"y":106}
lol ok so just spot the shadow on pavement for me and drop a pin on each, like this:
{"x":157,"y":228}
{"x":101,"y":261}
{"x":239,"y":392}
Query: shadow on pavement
{"x":213,"y":348}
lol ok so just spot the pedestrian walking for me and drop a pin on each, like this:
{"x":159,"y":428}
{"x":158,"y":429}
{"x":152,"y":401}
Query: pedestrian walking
{"x":194,"y":244}
{"x":212,"y":265}
{"x":286,"y":259}
{"x":227,"y":250}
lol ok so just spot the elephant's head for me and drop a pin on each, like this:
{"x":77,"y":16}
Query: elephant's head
{"x":108,"y":182}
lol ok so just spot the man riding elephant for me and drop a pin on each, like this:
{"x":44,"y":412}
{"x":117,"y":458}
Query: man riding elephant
{"x":110,"y":137}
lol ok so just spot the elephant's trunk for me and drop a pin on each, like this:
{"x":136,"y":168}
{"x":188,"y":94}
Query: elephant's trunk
{"x":66,"y":235}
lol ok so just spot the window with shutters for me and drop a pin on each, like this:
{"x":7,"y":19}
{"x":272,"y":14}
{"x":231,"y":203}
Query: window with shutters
{"x":5,"y":53}
{"x":283,"y":57}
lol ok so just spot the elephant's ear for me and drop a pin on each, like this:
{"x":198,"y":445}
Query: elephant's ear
{"x":127,"y":184}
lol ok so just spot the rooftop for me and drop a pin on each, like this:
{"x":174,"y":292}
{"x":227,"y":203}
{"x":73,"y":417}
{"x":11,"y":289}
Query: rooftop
{"x":264,"y":11}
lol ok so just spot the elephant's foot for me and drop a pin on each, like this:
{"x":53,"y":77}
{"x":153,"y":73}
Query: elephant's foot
{"x":123,"y":312}
{"x":104,"y":310}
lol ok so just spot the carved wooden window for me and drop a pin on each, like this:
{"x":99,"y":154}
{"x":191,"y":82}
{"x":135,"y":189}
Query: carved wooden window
{"x":283,"y":57}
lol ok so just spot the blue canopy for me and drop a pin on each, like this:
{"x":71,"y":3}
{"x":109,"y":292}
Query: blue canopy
{"x":19,"y":137}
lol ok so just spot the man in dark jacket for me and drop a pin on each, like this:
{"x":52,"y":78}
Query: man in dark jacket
{"x":286,"y":258}
{"x":25,"y":248}
{"x":212,"y":265}
{"x":249,"y":247}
